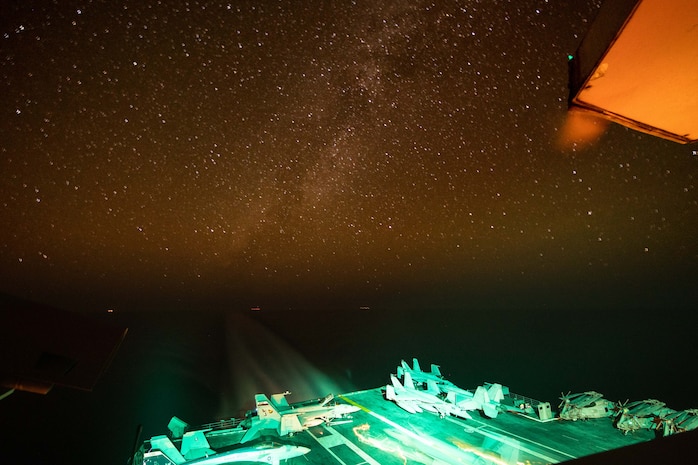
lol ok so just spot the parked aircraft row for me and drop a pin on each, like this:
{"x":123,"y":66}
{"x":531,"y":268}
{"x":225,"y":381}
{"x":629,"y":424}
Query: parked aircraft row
{"x":415,"y":400}
{"x":653,"y":414}
{"x":628,"y":417}
{"x":436,"y":394}
{"x":413,"y":390}
{"x":275,"y":416}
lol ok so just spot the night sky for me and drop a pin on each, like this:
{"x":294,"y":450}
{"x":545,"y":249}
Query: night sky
{"x":261,"y":153}
{"x":330,"y":155}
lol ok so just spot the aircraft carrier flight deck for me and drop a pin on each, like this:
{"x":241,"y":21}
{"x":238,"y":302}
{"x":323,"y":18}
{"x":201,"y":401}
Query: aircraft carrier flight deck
{"x":425,"y":420}
{"x":392,"y":435}
{"x":382,"y":433}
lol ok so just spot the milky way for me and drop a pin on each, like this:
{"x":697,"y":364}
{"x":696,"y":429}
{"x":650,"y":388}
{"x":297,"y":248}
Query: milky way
{"x":258,"y":153}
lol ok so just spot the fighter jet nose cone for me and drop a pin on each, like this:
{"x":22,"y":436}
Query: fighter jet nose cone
{"x":297,"y":451}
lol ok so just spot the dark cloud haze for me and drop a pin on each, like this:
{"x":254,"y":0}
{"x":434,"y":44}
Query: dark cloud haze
{"x":208,"y":154}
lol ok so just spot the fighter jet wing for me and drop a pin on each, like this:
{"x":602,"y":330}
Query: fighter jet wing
{"x":410,"y":406}
{"x":257,"y":425}
{"x":490,"y":410}
{"x":460,"y":412}
{"x":253,"y":432}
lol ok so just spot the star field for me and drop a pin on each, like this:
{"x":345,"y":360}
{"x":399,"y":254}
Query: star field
{"x":268,"y":152}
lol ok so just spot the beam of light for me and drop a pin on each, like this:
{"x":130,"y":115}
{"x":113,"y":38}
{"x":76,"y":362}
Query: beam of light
{"x":580,"y":130}
{"x":418,"y":445}
{"x":259,"y":361}
{"x":386,"y":445}
{"x":435,"y":451}
{"x":464,"y":446}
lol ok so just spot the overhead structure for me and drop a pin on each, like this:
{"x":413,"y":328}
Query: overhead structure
{"x":638,"y":66}
{"x":43,"y":346}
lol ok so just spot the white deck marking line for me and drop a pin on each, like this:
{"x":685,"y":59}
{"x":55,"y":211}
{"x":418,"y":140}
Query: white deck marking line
{"x":480,"y":430}
{"x":506,"y":440}
{"x":389,"y":422}
{"x":367,"y":458}
{"x":327,"y":449}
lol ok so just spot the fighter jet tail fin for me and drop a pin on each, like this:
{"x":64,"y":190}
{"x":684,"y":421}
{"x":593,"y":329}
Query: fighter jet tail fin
{"x":401,"y":371}
{"x":403,"y":368}
{"x":327,"y":399}
{"x":495,"y":392}
{"x":164,"y":445}
{"x":407,"y":381}
{"x":481,"y":396}
{"x":482,"y":399}
{"x":415,"y":365}
{"x":395,"y":383}
{"x":268,"y":417}
{"x":265,"y":409}
{"x":435,"y":370}
{"x":432,"y":387}
{"x":195,"y":445}
{"x":279,"y":400}
{"x":390,"y":393}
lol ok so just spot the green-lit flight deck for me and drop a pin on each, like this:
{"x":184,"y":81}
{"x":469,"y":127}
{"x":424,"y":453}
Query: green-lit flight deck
{"x":383,"y":433}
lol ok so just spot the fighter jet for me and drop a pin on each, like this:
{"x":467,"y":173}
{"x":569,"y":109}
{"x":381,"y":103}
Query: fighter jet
{"x":486,"y":398}
{"x":195,"y":450}
{"x":415,"y":400}
{"x":285,"y":418}
{"x":420,"y":376}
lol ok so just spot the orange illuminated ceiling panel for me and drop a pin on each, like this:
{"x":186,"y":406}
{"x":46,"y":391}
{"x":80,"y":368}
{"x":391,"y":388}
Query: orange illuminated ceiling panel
{"x":638,"y":66}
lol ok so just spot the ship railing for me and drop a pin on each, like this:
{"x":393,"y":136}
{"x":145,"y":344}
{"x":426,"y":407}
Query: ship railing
{"x":518,"y":399}
{"x":230,"y":423}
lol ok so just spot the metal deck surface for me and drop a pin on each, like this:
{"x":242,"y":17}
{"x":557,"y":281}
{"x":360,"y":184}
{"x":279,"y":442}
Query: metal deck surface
{"x":382,"y":433}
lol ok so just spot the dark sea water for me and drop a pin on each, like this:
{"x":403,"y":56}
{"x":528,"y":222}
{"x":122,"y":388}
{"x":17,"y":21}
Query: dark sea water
{"x":204,"y":366}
